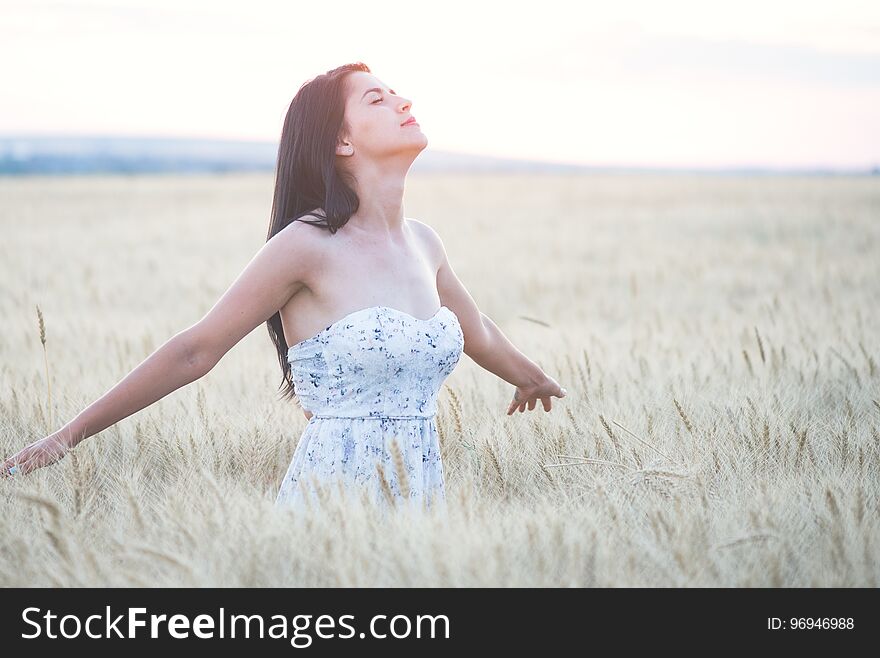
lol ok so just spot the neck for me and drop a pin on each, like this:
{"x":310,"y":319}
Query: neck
{"x":380,"y":188}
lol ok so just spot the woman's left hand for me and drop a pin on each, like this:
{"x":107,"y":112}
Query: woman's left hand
{"x":528,"y":396}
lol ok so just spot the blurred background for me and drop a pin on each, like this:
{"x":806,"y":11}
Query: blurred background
{"x":197,"y":85}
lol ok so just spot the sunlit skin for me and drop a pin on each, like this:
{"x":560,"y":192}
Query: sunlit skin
{"x":312,"y":279}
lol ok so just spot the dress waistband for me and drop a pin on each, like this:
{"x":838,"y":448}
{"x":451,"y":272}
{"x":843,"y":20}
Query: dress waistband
{"x":373,"y":417}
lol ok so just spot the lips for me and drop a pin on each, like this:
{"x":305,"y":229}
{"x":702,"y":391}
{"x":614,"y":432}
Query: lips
{"x":408,"y":121}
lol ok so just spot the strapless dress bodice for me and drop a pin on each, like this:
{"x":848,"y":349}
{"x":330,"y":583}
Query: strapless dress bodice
{"x":377,"y":361}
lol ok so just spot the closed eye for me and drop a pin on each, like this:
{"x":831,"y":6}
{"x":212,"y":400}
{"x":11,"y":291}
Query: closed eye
{"x":378,"y":100}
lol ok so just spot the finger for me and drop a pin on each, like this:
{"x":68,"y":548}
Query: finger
{"x":16,"y":460}
{"x":546,"y":402}
{"x":532,"y":403}
{"x":522,"y":407}
{"x":4,"y":470}
{"x":40,"y":459}
{"x":37,"y":457}
{"x":20,"y":469}
{"x":562,"y":392}
{"x":25,"y":467}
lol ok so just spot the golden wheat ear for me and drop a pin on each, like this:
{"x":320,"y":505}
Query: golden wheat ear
{"x":42,"y":324}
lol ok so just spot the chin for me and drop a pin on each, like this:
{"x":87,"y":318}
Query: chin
{"x":423,"y":144}
{"x":422,"y":138}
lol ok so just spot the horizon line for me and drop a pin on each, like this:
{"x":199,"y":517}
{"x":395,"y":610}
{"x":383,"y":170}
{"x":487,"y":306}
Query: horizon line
{"x":869,"y":169}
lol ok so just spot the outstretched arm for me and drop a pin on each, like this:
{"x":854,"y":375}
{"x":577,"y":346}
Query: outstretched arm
{"x":273,"y":275}
{"x":486,"y":344}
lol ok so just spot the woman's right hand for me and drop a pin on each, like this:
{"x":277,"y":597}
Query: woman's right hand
{"x":36,"y":455}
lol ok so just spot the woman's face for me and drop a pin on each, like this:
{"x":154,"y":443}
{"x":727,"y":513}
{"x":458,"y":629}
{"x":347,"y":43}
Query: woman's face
{"x":374,"y":114}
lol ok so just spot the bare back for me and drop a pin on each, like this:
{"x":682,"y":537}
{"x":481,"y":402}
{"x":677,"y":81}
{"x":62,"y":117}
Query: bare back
{"x":355,"y":271}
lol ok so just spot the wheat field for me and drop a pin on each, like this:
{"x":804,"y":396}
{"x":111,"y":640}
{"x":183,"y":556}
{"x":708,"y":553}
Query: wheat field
{"x":718,"y":337}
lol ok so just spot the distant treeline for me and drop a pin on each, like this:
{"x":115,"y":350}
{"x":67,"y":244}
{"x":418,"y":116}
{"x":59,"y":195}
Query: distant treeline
{"x":97,"y":164}
{"x":33,"y":155}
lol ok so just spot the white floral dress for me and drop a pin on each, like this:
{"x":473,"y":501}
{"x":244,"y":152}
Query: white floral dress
{"x":370,"y":377}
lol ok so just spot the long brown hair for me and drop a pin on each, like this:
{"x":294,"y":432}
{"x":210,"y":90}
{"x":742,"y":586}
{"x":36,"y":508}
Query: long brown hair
{"x":306,"y":176}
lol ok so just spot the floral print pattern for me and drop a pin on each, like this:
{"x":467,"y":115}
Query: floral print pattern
{"x":370,"y":377}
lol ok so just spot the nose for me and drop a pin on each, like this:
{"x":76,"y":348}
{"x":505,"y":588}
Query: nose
{"x":405,"y":105}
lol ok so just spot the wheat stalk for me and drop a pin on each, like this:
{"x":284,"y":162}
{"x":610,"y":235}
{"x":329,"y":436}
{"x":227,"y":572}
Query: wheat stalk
{"x":851,"y":367}
{"x":872,"y":368}
{"x":802,"y":439}
{"x":588,"y":460}
{"x":46,"y":359}
{"x":684,"y":417}
{"x":665,"y":473}
{"x":386,"y":488}
{"x":832,"y":501}
{"x":78,"y":484}
{"x":47,"y":504}
{"x":758,"y":536}
{"x":760,"y":346}
{"x":748,"y":362}
{"x":399,"y":468}
{"x":613,"y":438}
{"x":644,"y":442}
{"x":495,"y":461}
{"x":456,"y":410}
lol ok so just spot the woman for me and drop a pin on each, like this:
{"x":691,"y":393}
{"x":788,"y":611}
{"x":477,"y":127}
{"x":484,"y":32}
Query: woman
{"x":367,"y":316}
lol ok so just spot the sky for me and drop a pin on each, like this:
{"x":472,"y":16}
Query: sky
{"x":679,"y":83}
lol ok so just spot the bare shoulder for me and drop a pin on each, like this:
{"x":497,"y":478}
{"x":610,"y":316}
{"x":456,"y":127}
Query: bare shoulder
{"x":294,"y":254}
{"x":300,"y":231}
{"x":430,"y":239}
{"x":301,"y":240}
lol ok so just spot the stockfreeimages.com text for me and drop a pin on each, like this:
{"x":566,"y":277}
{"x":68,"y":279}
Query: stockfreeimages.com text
{"x":135,"y":623}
